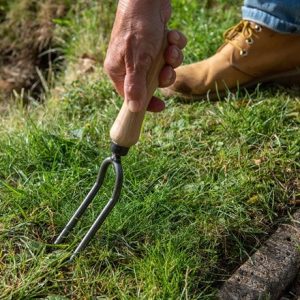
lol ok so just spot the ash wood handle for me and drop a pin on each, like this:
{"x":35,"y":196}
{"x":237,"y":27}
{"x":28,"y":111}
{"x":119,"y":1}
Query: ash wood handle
{"x":126,"y":129}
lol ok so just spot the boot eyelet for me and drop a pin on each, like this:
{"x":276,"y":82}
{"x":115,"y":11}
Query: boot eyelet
{"x":243,"y":52}
{"x":249,"y":41}
{"x":257,"y":28}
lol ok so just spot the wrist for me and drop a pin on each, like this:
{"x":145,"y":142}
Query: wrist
{"x":125,"y":5}
{"x":142,"y":7}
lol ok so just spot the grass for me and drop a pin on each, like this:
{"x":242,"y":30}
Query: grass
{"x":204,"y":186}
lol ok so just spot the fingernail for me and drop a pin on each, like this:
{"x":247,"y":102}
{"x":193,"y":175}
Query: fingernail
{"x":169,"y":75}
{"x":133,"y":106}
{"x":176,"y":36}
{"x":174,"y":53}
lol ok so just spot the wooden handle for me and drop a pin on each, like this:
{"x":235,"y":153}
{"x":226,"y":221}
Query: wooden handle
{"x":126,"y":129}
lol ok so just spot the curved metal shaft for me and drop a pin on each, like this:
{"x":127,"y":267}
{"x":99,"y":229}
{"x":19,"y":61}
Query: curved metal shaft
{"x":115,"y":161}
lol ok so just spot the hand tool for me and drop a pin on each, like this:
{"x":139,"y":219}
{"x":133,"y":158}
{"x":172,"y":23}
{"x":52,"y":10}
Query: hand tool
{"x":124,"y":133}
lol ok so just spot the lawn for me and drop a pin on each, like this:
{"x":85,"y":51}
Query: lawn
{"x":205,"y":185}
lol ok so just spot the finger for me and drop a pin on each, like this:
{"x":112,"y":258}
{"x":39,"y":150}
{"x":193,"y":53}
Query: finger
{"x":177,"y":38}
{"x":135,"y":90}
{"x":119,"y":85}
{"x":116,"y":74}
{"x":138,"y":64}
{"x":156,"y":105}
{"x":167,"y":76}
{"x":173,"y":56}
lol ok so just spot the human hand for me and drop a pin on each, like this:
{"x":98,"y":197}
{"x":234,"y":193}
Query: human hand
{"x":136,"y":40}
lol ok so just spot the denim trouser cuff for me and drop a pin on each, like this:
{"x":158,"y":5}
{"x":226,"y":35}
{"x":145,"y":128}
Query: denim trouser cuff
{"x":269,"y":21}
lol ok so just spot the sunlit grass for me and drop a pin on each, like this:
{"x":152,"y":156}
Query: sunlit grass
{"x":204,"y":185}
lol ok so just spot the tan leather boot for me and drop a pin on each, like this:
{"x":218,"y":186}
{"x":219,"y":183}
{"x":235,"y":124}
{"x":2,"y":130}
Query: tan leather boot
{"x":251,"y":54}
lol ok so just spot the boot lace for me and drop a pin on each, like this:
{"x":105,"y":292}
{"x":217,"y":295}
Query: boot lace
{"x":247,"y":29}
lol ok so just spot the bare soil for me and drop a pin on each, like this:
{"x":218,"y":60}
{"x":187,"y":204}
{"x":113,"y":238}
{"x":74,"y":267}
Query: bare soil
{"x":27,"y":48}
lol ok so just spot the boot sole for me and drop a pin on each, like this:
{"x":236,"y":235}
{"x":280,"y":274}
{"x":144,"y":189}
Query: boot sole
{"x":287,"y":78}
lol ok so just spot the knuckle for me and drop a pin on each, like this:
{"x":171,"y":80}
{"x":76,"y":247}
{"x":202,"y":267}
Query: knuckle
{"x":141,"y":64}
{"x":108,"y":65}
{"x":145,"y":60}
{"x":130,"y":90}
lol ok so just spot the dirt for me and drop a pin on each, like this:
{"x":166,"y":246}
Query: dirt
{"x":293,"y":291}
{"x":27,"y":48}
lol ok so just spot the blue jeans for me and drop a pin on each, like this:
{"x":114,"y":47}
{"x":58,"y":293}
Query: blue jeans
{"x":278,"y":15}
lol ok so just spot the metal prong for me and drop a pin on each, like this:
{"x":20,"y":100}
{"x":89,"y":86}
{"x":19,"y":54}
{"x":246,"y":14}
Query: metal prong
{"x":105,"y":211}
{"x":116,"y":162}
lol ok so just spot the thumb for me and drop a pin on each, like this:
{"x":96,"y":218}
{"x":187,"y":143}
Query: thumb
{"x":135,"y":88}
